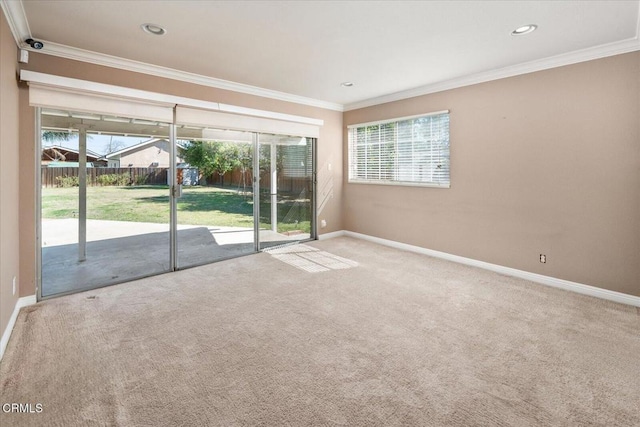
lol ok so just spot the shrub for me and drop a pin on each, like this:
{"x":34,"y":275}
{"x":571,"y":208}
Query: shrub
{"x":67,"y":181}
{"x":140,"y":180}
{"x":107,"y":179}
{"x":114,"y":179}
{"x":124,"y":179}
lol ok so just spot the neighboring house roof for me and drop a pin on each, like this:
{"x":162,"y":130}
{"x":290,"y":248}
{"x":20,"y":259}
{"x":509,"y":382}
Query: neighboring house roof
{"x":138,"y":146}
{"x":60,"y":149}
{"x":67,"y":165}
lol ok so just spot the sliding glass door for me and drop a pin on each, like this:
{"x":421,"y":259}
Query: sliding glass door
{"x":124,"y":198}
{"x":104,"y":200}
{"x":214,"y":199}
{"x":286,"y":189}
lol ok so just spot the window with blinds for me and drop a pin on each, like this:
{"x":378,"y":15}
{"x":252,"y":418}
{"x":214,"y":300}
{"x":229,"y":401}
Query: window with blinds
{"x":407,"y":151}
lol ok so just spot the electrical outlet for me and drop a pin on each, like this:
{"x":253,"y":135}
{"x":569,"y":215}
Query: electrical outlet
{"x":14,"y":285}
{"x":543,"y":258}
{"x":323,"y":223}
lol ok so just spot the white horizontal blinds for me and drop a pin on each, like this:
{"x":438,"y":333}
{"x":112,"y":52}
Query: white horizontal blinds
{"x":373,"y":158}
{"x":61,"y":99}
{"x":296,"y":160}
{"x":412,"y":151}
{"x":206,"y":118}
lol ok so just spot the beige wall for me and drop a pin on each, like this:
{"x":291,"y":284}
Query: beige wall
{"x":547,"y":162}
{"x":27,"y":201}
{"x":144,"y":157}
{"x":329,"y":142}
{"x":543,"y":163}
{"x":9,"y":213}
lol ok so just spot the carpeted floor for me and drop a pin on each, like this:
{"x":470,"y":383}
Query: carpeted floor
{"x":389,"y":338}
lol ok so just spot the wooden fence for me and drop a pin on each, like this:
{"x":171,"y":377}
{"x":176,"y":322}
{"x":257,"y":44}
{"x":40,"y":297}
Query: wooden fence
{"x":137,"y":176}
{"x":285,"y":183}
{"x":158,"y":176}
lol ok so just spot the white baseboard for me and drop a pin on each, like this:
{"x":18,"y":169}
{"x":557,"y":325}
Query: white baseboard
{"x":22,"y":302}
{"x":331,"y":235}
{"x":533,"y":277}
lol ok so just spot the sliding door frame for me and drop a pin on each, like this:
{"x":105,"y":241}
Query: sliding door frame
{"x":37,"y":159}
{"x":38,"y":216}
{"x":256,"y":192}
{"x":300,"y":125}
{"x":313,"y":235}
{"x":173,"y":198}
{"x":174,"y":194}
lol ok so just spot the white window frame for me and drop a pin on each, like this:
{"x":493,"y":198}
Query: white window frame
{"x":352,"y":161}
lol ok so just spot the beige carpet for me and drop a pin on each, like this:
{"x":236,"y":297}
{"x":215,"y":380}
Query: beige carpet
{"x":392,"y":339}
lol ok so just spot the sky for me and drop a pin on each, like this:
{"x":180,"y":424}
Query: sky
{"x":99,"y":143}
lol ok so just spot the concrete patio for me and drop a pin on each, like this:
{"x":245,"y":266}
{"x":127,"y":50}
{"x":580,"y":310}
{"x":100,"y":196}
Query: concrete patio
{"x":119,"y":251}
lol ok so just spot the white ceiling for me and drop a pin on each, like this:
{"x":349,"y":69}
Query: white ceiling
{"x":389,"y":50}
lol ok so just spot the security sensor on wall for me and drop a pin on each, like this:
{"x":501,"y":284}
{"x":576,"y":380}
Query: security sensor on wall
{"x":24,"y":56}
{"x":34,"y":43}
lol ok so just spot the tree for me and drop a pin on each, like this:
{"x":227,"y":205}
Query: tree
{"x":265,"y":157}
{"x":58,"y":136}
{"x":226,"y":159}
{"x":212,"y":157}
{"x":245,"y":163}
{"x":200,"y":155}
{"x":54,"y":136}
{"x":113,"y":145}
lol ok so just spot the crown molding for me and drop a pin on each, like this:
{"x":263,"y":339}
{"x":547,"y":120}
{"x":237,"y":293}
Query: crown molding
{"x":17,"y":19}
{"x":77,"y":54}
{"x":596,"y":52}
{"x":14,"y":11}
{"x":588,"y":54}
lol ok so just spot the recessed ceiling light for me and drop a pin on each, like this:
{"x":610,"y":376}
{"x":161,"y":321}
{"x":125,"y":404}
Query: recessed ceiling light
{"x":525,"y":29}
{"x":346,"y":84}
{"x":154,"y":29}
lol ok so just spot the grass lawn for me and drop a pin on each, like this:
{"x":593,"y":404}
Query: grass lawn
{"x":197,"y":206}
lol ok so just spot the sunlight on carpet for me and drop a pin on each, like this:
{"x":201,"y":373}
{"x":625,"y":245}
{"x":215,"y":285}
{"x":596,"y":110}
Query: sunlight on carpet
{"x":310,"y":259}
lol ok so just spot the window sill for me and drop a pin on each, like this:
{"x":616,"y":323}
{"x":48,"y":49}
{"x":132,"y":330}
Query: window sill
{"x":400,"y":183}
